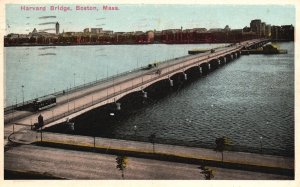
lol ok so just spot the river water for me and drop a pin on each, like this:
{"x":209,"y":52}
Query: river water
{"x":249,"y":98}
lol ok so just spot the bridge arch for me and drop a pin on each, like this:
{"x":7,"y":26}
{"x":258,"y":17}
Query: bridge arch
{"x":205,"y":68}
{"x":214,"y":64}
{"x":193,"y":72}
{"x":229,"y":57}
{"x":223,"y":60}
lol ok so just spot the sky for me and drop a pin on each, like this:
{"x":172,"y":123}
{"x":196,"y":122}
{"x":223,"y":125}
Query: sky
{"x":141,"y":17}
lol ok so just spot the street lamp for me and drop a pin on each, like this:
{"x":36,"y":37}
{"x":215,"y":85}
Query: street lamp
{"x":23,"y":93}
{"x":74,"y":78}
{"x":260,"y":138}
{"x":135,"y":128}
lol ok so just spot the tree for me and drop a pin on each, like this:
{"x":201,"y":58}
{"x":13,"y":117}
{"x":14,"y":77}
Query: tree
{"x":208,"y":173}
{"x":221,"y":145}
{"x":121,"y":164}
{"x":152,"y":140}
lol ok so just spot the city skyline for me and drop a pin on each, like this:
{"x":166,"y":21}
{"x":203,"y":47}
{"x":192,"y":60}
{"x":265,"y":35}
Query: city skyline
{"x":133,"y":17}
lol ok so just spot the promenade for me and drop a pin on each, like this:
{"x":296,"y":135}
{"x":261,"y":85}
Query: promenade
{"x":278,"y":165}
{"x":31,"y":160}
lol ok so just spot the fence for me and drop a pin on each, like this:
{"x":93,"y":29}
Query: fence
{"x":94,"y":141}
{"x":23,"y":134}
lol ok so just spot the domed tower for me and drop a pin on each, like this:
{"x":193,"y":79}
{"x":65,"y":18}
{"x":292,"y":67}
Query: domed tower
{"x":57,"y":27}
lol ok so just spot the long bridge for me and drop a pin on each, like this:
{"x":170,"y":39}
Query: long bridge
{"x":170,"y":73}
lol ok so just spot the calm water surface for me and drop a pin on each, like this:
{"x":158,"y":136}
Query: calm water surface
{"x":249,"y":98}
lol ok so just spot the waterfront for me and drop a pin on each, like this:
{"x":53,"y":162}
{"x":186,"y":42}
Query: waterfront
{"x":253,"y":95}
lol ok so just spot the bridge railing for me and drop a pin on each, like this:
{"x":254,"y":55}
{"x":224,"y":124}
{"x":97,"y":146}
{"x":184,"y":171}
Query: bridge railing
{"x":11,"y":108}
{"x":93,"y":141}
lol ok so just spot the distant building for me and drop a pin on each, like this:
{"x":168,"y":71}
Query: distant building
{"x":138,"y":32}
{"x":255,"y":26}
{"x":246,"y":29}
{"x":57,"y":27}
{"x":287,"y":32}
{"x":171,"y":31}
{"x":268,"y":30}
{"x":263,"y":29}
{"x":150,"y":36}
{"x":86,"y":30}
{"x":199,"y":30}
{"x":215,"y":30}
{"x":96,"y":30}
{"x":283,"y":32}
{"x":34,"y":31}
{"x":69,"y":33}
{"x":108,"y":32}
{"x":237,"y":30}
{"x":13,"y":36}
{"x":275,"y":31}
{"x":227,"y":28}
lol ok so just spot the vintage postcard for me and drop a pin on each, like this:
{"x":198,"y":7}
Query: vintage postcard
{"x":149,"y":91}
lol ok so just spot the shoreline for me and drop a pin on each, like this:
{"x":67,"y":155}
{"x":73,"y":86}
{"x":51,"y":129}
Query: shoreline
{"x":201,"y":145}
{"x":94,"y":44}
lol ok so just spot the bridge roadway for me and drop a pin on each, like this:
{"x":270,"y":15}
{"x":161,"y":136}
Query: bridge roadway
{"x":74,"y":103}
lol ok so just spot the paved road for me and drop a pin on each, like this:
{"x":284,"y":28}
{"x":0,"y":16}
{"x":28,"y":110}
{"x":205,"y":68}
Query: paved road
{"x":145,"y":147}
{"x":85,"y":165}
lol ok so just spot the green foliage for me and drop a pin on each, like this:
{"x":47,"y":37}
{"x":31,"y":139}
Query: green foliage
{"x":152,"y":138}
{"x":121,"y":164}
{"x":208,"y":173}
{"x":222,"y":144}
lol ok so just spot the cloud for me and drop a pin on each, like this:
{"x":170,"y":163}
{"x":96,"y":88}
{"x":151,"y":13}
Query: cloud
{"x":46,"y":17}
{"x":43,"y":30}
{"x":47,"y":23}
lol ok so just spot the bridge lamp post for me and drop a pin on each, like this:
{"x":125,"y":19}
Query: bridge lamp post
{"x":68,"y":99}
{"x":23,"y":93}
{"x":135,"y":129}
{"x":74,"y":105}
{"x":74,"y":78}
{"x":52,"y":113}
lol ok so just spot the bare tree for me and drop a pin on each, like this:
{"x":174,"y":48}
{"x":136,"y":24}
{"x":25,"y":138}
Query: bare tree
{"x":152,"y":140}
